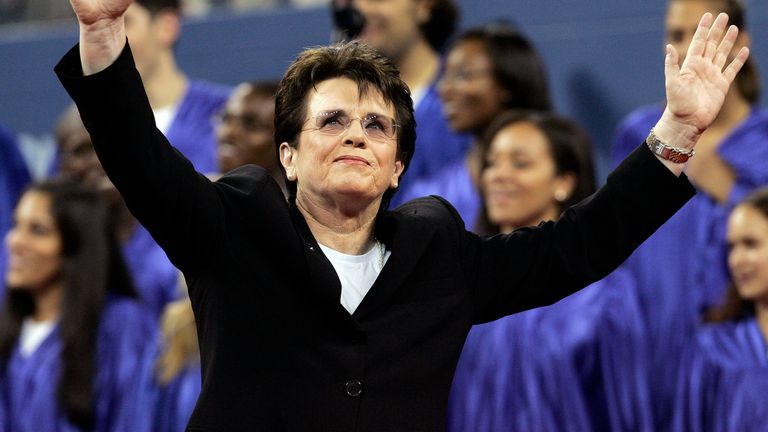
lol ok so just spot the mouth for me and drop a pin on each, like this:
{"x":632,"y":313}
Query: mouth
{"x":352,"y":160}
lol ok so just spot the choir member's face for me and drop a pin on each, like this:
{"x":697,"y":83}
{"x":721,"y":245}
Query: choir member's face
{"x":77,"y":157}
{"x":392,"y":26}
{"x":470,"y":94}
{"x":520,"y":179}
{"x":351,"y":165}
{"x":683,"y":18}
{"x":747,"y":237}
{"x":246,"y":130}
{"x":34,"y":244}
{"x":150,"y":37}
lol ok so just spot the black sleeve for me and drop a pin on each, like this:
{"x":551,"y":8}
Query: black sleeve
{"x":182,"y":209}
{"x":538,"y":266}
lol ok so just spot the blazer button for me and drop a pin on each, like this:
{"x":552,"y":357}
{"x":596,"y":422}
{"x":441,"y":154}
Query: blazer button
{"x":354,"y":388}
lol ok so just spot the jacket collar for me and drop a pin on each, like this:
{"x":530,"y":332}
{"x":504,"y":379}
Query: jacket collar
{"x":407,"y":236}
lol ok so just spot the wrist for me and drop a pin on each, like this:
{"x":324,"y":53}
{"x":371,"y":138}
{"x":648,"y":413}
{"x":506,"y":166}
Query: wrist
{"x":675,"y":133}
{"x":101,"y":43}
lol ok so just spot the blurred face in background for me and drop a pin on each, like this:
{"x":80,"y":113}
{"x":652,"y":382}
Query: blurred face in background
{"x":150,"y":36}
{"x":245,"y":130}
{"x":747,"y":238}
{"x":77,"y":157}
{"x":683,"y":18}
{"x":520,"y":180}
{"x":34,"y":244}
{"x":470,"y":94}
{"x":392,"y":26}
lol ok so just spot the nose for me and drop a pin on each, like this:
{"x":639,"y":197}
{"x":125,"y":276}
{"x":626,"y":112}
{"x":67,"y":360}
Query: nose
{"x":13,"y":240}
{"x":355,"y":134}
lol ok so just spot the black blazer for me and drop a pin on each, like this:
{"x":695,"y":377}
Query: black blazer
{"x":279,"y":352}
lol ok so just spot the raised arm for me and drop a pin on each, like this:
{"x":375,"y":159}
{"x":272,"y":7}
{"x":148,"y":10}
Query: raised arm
{"x":102,"y":32}
{"x":697,"y":88}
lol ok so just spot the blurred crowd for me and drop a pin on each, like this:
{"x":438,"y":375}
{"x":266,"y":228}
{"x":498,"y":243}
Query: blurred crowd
{"x":97,"y":333}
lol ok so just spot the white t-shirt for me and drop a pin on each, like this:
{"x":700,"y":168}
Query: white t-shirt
{"x":357,"y":273}
{"x":164,"y":117}
{"x":33,"y":333}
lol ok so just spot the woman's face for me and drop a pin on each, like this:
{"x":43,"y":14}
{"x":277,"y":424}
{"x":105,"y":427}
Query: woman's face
{"x":34,"y":244}
{"x":520,"y":180}
{"x":246,"y":131}
{"x":470,"y":94}
{"x":748,"y":252}
{"x":351,"y":165}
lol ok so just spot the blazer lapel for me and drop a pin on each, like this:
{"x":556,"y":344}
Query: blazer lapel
{"x":407,"y":236}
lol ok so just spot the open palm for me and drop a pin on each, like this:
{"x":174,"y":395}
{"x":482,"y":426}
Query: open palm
{"x":696,"y":90}
{"x":92,"y":11}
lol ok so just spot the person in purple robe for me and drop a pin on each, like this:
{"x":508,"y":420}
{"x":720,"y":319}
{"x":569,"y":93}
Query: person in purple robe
{"x":183,"y":107}
{"x":724,"y":379}
{"x":580,"y":364}
{"x":729,"y":164}
{"x":14,"y":175}
{"x":488,"y":69}
{"x":72,"y":334}
{"x":156,"y":280}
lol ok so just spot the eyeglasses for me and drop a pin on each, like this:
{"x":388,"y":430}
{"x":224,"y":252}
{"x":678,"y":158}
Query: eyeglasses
{"x":376,"y":127}
{"x":249,"y":123}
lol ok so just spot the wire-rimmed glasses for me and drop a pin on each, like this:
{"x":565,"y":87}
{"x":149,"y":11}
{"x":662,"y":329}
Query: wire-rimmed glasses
{"x":377,"y":127}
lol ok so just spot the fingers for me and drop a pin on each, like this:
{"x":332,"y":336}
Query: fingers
{"x":671,"y":63}
{"x":714,"y":36}
{"x":730,"y":72}
{"x":724,"y":50}
{"x":699,"y":41}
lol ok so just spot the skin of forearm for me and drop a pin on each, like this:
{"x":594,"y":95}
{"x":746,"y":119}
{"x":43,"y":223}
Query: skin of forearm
{"x":101,"y":43}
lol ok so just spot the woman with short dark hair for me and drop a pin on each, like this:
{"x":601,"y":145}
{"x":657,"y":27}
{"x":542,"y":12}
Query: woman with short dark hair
{"x":329,"y":312}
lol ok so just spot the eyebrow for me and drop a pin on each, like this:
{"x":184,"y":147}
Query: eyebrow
{"x":342,"y":111}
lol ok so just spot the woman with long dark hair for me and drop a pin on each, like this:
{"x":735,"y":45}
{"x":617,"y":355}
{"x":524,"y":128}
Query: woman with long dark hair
{"x":724,"y":382}
{"x":71,"y":334}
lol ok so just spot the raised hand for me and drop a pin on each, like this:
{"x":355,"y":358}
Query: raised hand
{"x":90,"y":12}
{"x":102,"y":31}
{"x":696,"y":90}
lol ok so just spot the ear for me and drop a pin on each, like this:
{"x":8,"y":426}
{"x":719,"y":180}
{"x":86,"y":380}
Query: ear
{"x":168,"y":26}
{"x":396,"y":174}
{"x":565,"y":184}
{"x":424,"y":10}
{"x":287,"y":158}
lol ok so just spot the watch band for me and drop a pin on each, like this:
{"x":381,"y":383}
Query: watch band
{"x":669,"y":153}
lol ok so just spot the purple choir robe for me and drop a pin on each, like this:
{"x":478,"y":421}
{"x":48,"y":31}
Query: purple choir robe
{"x":454,"y":183}
{"x":155,"y":278}
{"x":29,"y":385}
{"x":14,"y":176}
{"x":723,"y":385}
{"x":191,"y":130}
{"x":580,"y":364}
{"x":681,"y":269}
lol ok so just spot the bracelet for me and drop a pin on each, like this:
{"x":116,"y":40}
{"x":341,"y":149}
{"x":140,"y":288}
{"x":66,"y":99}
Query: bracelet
{"x":673,"y":154}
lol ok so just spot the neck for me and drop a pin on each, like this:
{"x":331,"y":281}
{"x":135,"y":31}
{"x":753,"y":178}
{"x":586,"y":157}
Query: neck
{"x":166,"y":84}
{"x":734,"y":111}
{"x":48,"y":302}
{"x":761,"y":313}
{"x":346,"y":229}
{"x":419,"y":65}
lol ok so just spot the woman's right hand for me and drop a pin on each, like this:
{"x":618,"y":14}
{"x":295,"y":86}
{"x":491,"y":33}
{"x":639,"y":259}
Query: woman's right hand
{"x":102,"y":32}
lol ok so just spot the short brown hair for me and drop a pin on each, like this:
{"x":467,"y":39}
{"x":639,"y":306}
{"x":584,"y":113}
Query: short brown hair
{"x":368,"y":69}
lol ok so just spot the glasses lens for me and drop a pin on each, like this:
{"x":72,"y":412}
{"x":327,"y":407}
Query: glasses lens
{"x":378,"y":127}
